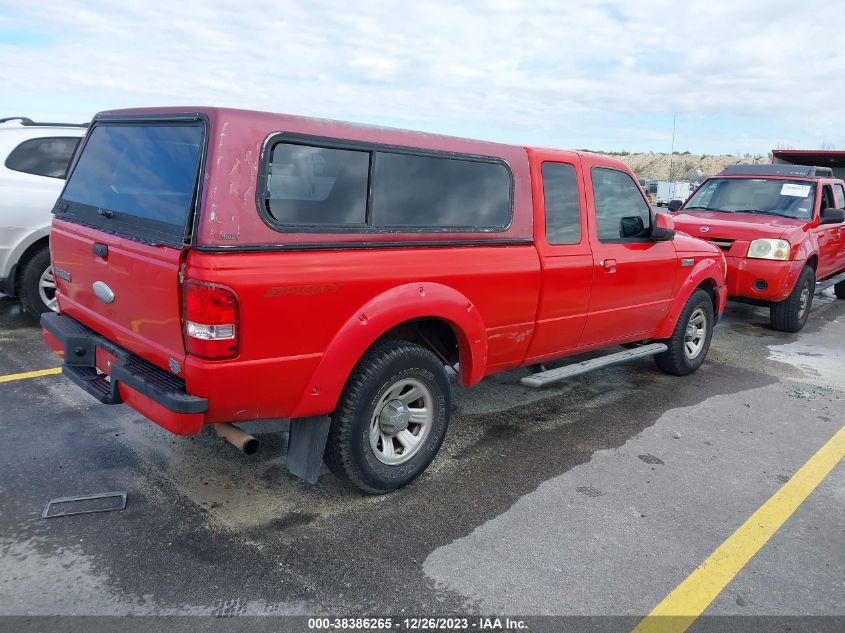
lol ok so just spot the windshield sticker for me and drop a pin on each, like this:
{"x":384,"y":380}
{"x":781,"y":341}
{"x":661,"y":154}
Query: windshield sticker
{"x":798,"y":191}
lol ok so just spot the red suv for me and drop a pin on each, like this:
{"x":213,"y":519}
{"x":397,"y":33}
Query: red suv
{"x":781,"y":227}
{"x":226,"y":266}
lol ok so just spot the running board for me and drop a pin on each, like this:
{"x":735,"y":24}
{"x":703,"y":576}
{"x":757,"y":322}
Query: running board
{"x":830,"y":281}
{"x":576,"y":369}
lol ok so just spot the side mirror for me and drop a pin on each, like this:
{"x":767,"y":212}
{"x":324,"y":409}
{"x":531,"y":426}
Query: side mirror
{"x":674,"y":205}
{"x":832,"y":216}
{"x":631,"y":226}
{"x":663,"y":227}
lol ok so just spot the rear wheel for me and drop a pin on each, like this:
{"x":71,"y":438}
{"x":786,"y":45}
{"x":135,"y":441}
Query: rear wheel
{"x":391,"y":417}
{"x":790,"y":315}
{"x":839,"y":290}
{"x":690,"y":339}
{"x":37,"y":286}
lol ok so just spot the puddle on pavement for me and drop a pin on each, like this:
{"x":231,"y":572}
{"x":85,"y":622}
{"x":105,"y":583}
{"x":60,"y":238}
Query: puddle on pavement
{"x":817,"y":354}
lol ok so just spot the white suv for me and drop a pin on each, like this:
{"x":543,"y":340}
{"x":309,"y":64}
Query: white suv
{"x":34,"y":158}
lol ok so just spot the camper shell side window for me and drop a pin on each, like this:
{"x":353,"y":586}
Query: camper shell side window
{"x":328,"y":185}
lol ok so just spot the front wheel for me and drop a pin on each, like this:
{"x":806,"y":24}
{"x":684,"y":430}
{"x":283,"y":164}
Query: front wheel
{"x":37,"y":285}
{"x":391,"y":417}
{"x":690,"y":339}
{"x":790,"y":315}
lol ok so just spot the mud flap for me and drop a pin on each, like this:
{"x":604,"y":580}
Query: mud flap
{"x":306,"y":445}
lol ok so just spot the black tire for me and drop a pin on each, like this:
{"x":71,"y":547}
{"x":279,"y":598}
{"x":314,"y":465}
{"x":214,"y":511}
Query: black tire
{"x":384,"y":367}
{"x":30,"y":280}
{"x":677,"y":360}
{"x":839,"y":290}
{"x":788,"y":315}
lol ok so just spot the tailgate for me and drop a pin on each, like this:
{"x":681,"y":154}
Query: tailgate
{"x":142,"y":282}
{"x":121,"y":228}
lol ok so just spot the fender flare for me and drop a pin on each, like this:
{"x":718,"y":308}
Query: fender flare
{"x":703,"y":270}
{"x":801,"y":255}
{"x":18,"y":250}
{"x":805,"y":251}
{"x":380,"y":314}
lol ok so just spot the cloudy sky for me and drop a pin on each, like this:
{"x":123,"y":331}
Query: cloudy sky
{"x":741,"y":75}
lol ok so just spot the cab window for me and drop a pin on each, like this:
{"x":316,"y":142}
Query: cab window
{"x":621,"y":211}
{"x":839,"y":196}
{"x":562,"y":205}
{"x":827,"y":197}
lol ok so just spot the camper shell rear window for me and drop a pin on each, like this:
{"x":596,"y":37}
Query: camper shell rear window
{"x":137,"y":179}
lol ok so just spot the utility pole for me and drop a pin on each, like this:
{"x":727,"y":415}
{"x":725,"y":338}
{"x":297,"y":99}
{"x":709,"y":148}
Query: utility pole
{"x":672,"y":152}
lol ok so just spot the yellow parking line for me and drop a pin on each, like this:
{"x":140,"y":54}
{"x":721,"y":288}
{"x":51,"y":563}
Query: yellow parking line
{"x":689,"y":599}
{"x":31,"y":374}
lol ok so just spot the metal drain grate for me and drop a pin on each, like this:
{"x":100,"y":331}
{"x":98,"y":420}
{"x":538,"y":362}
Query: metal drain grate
{"x":84,"y":504}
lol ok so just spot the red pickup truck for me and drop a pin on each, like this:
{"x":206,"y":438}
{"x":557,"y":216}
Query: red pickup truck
{"x":781,"y":227}
{"x":220,"y":266}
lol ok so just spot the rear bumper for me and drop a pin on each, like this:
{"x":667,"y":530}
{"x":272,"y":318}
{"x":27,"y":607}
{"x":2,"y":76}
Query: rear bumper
{"x":762,"y":279}
{"x":153,"y":392}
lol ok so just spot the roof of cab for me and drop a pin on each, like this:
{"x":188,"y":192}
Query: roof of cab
{"x":545,"y":153}
{"x":788,"y":171}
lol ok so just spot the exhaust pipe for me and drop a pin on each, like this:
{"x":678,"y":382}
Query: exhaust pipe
{"x":241,"y":440}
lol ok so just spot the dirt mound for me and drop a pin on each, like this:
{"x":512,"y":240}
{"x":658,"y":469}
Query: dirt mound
{"x":656,"y":166}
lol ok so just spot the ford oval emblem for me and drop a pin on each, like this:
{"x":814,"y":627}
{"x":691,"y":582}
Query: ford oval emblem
{"x":102,"y":292}
{"x":704,"y":229}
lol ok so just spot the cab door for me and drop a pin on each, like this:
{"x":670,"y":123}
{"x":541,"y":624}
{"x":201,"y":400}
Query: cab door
{"x":634,"y":276}
{"x":562,"y":241}
{"x":829,"y":236}
{"x":839,"y":201}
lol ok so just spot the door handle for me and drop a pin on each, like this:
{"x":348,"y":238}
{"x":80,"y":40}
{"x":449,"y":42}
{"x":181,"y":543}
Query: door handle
{"x":609,"y":265}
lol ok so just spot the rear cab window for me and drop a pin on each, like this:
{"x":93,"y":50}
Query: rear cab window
{"x":137,"y":180}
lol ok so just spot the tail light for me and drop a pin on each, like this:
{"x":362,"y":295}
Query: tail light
{"x":210,"y":320}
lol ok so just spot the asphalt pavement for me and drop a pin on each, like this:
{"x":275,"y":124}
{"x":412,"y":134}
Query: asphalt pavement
{"x":596,"y":496}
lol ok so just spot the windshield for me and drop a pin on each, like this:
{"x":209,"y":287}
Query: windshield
{"x":133,"y":175}
{"x":767,"y":196}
